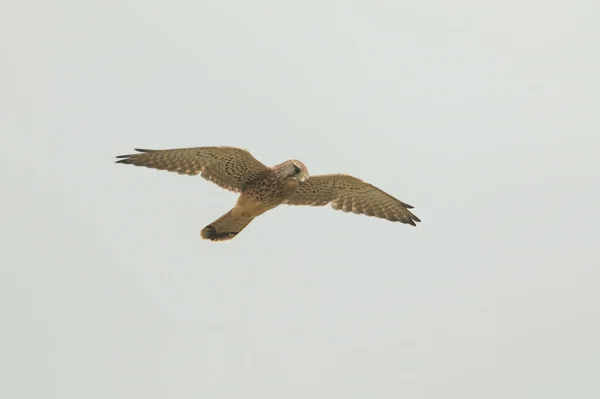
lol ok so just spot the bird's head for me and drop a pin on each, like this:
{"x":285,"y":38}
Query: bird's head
{"x":294,"y":170}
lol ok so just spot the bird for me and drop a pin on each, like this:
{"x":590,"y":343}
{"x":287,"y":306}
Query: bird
{"x":262,"y":188}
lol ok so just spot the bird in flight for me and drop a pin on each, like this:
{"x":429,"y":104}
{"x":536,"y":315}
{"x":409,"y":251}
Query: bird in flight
{"x":262,"y":188}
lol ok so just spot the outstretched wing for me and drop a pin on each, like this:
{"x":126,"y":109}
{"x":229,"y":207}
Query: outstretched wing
{"x":229,"y":167}
{"x":349,"y":194}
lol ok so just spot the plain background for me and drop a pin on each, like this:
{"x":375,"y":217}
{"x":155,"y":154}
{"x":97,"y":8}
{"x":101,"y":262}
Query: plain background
{"x":483,"y":115}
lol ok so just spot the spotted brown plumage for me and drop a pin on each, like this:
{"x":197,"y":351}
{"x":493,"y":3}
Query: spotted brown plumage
{"x":349,"y":194}
{"x":229,"y":167}
{"x":263,"y":188}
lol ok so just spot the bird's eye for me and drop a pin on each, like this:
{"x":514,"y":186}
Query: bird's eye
{"x":296,"y":169}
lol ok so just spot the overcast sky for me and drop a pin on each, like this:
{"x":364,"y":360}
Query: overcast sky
{"x":483,"y":115}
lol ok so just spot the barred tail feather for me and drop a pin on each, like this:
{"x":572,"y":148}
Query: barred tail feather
{"x":225,"y":228}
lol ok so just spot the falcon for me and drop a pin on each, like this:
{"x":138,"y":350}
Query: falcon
{"x":263,"y":188}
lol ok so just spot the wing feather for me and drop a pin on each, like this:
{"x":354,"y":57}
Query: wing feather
{"x":350,"y":194}
{"x":228,"y":167}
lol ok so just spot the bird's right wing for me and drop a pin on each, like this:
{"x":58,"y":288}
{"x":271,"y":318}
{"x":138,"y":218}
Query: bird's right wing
{"x":229,"y":167}
{"x":350,"y":194}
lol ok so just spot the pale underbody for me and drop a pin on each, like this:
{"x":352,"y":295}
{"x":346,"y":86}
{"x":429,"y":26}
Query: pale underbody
{"x":249,"y":206}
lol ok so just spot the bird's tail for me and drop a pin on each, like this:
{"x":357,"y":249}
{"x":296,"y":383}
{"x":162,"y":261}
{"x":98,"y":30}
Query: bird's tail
{"x":226,"y":227}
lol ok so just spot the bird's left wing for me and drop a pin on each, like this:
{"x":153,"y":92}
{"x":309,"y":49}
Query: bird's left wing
{"x":228,"y":167}
{"x":350,"y":194}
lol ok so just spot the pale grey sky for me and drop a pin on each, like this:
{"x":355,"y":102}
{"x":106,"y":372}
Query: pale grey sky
{"x":484,"y":116}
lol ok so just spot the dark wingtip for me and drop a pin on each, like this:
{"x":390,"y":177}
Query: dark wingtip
{"x":138,"y":150}
{"x":124,"y":158}
{"x":409,"y":220}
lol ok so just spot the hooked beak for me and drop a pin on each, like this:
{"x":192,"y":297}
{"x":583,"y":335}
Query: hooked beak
{"x":301,"y":178}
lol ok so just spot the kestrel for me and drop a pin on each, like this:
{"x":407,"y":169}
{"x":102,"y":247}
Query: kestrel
{"x":263,"y":188}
